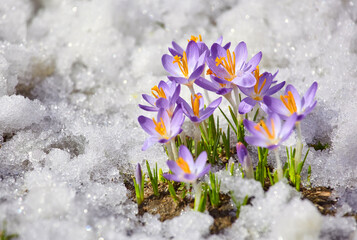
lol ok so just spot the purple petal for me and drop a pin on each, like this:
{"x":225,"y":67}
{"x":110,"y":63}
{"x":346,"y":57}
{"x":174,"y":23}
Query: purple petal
{"x":174,"y":167}
{"x":247,"y":91}
{"x":149,"y":142}
{"x":210,"y":109}
{"x":256,"y":141}
{"x":186,"y":155}
{"x":189,"y":177}
{"x":274,"y":89}
{"x":224,"y":91}
{"x":227,"y":45}
{"x":192,"y":55}
{"x":241,"y":54}
{"x":276,"y":106}
{"x":138,"y":174}
{"x":170,"y":67}
{"x":177,"y":48}
{"x":274,"y":119}
{"x":253,"y":63}
{"x":242,"y":152}
{"x":204,"y":171}
{"x":172,"y":177}
{"x":247,"y":80}
{"x":200,"y":162}
{"x":296,"y":95}
{"x":197,"y":73}
{"x":249,"y":125}
{"x":310,"y":94}
{"x":219,"y":40}
{"x":176,"y":122}
{"x":162,"y":103}
{"x":205,"y":84}
{"x":246,"y":105}
{"x":180,"y":80}
{"x":148,"y":108}
{"x":288,"y":127}
{"x":149,"y":99}
{"x":147,"y":124}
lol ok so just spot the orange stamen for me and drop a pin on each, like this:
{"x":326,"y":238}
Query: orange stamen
{"x":160,"y":92}
{"x":183,"y":165}
{"x":289,"y":102}
{"x":261,"y":124}
{"x":182,"y":63}
{"x":229,"y":64}
{"x":195,"y":102}
{"x":160,"y":128}
{"x":194,"y":38}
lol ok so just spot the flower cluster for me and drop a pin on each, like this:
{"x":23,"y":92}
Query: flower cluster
{"x":230,"y":74}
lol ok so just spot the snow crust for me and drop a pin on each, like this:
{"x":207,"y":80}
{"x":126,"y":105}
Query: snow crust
{"x":72,"y":74}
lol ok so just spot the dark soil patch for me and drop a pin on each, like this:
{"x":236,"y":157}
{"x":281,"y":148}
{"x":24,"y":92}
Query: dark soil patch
{"x":321,"y":198}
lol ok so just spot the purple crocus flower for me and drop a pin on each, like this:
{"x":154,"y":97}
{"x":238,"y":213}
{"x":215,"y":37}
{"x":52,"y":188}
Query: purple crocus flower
{"x":165,"y":96}
{"x":263,"y":87}
{"x":271,"y":133}
{"x":233,"y":67}
{"x":185,"y":169}
{"x":215,"y":85}
{"x":177,"y":50}
{"x":138,"y":175}
{"x":244,"y":160}
{"x":163,"y":128}
{"x":292,"y":102}
{"x":197,"y":113}
{"x":187,"y":68}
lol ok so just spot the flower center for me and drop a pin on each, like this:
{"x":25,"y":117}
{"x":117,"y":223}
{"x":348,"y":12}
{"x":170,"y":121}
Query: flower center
{"x":289,"y":102}
{"x":228,"y":64}
{"x":195,"y":39}
{"x":182,"y":63}
{"x":159,"y":92}
{"x":263,"y":128}
{"x":195,"y":102}
{"x":160,"y":128}
{"x":183,"y":165}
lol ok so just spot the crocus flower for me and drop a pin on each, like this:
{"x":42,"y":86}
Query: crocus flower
{"x":165,"y":96}
{"x":139,"y":184}
{"x":162,"y":129}
{"x":178,"y":50}
{"x":185,"y":169}
{"x":187,"y":68}
{"x":271,"y":133}
{"x":233,"y":67}
{"x":263,"y":87}
{"x":291,"y":102}
{"x":244,"y":160}
{"x":197,"y":113}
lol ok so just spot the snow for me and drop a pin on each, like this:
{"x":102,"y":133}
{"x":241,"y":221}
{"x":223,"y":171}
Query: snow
{"x":72,"y":74}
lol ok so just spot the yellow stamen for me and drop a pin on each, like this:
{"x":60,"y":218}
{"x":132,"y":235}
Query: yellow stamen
{"x":289,"y":102}
{"x":183,"y":165}
{"x":160,"y":92}
{"x":195,"y":102}
{"x":182,"y":63}
{"x":229,"y":64}
{"x":261,"y":124}
{"x":194,"y":38}
{"x":160,"y":128}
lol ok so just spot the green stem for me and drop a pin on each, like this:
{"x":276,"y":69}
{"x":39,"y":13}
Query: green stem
{"x":298,"y":145}
{"x":229,"y":98}
{"x":169,"y":151}
{"x":174,"y":149}
{"x":236,"y":94}
{"x":198,"y":190}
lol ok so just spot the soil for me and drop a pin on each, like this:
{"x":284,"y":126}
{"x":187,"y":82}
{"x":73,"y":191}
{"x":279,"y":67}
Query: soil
{"x":224,"y":215}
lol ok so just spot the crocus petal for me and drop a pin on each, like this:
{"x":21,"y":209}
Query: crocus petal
{"x":288,"y":127}
{"x":197,"y":73}
{"x":147,"y":124}
{"x":256,"y":141}
{"x":176,"y":122}
{"x":148,"y":108}
{"x":170,"y":67}
{"x":219,"y":71}
{"x":186,"y":155}
{"x":274,"y":89}
{"x":172,"y":177}
{"x":292,"y":89}
{"x":188,"y":177}
{"x":200,"y":162}
{"x":274,"y":119}
{"x":219,"y":40}
{"x":204,"y":171}
{"x":241,"y":54}
{"x":224,"y":91}
{"x":204,"y":114}
{"x":242,"y":152}
{"x":246,"y":105}
{"x":149,"y":99}
{"x":253,"y":63}
{"x":192,"y":55}
{"x":249,"y":125}
{"x":187,"y":110}
{"x":205,"y":84}
{"x":247,"y":80}
{"x":276,"y":106}
{"x":310,"y":94}
{"x":247,"y":91}
{"x":176,"y":94}
{"x":149,"y":142}
{"x":174,"y":52}
{"x":177,"y":48}
{"x":174,"y":167}
{"x":180,"y":80}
